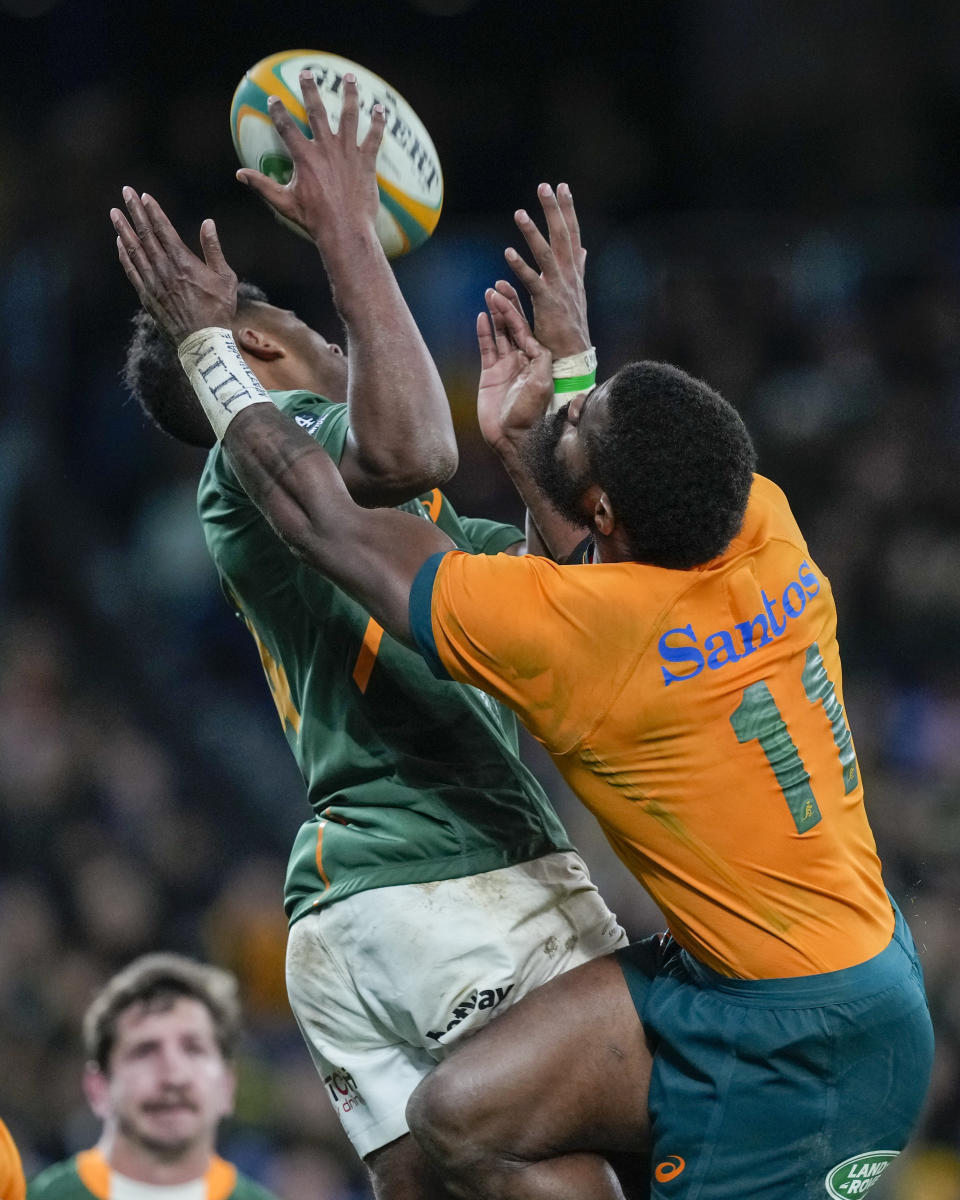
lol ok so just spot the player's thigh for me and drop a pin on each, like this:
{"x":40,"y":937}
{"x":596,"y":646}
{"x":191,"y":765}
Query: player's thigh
{"x":566,"y":1068}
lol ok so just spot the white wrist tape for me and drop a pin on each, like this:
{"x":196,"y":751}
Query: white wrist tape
{"x":572,"y":375}
{"x":224,"y":383}
{"x":568,"y":371}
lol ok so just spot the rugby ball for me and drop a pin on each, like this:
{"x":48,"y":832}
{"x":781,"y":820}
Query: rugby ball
{"x":408,"y":169}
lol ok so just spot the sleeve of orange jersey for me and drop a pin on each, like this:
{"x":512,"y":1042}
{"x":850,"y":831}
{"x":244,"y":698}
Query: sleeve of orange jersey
{"x":526,"y":630}
{"x":13,"y":1186}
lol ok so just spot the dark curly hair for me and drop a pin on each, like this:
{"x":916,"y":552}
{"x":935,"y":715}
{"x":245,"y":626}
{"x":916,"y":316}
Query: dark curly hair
{"x":677,"y":463}
{"x":155,"y":379}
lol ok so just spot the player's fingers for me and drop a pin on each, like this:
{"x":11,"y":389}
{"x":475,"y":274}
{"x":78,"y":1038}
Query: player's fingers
{"x":274,"y":193}
{"x":287,"y":128}
{"x":378,"y":123}
{"x":511,"y":317}
{"x":313,"y":104}
{"x":486,"y":342}
{"x":150,"y":246}
{"x":125,"y":232}
{"x":213,"y":254}
{"x":350,"y":112}
{"x":523,"y":271}
{"x":510,"y":292}
{"x":565,"y":200}
{"x":539,"y":246}
{"x":501,"y":335}
{"x":131,"y":272}
{"x":516,"y":327}
{"x":160,"y":223}
{"x":556,"y":225}
{"x":131,"y":244}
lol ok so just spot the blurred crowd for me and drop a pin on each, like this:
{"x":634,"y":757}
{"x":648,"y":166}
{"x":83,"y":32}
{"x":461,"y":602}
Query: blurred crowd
{"x":147,"y":798}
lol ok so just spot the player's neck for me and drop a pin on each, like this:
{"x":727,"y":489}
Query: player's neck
{"x":612,"y":548}
{"x":285,"y":375}
{"x":131,"y":1158}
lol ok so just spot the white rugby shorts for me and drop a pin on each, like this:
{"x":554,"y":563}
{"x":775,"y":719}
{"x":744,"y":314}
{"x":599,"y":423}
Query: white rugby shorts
{"x":385,"y":982}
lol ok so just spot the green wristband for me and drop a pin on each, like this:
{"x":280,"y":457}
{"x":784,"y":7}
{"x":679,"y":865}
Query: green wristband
{"x":575,"y":383}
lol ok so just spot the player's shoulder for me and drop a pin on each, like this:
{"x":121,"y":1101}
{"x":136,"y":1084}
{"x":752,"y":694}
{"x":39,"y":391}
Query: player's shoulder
{"x":59,"y":1181}
{"x":325,"y":420}
{"x":771,"y":505}
{"x":767,"y":522}
{"x":308,"y":409}
{"x":246,"y":1188}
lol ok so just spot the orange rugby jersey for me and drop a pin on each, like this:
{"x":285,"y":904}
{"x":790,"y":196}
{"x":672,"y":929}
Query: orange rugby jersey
{"x":699,"y":716}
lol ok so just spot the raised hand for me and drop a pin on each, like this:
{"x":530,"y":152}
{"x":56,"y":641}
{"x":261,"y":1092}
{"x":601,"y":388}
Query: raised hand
{"x":556,"y":291}
{"x":516,"y":384}
{"x":180,"y":291}
{"x":333,"y":188}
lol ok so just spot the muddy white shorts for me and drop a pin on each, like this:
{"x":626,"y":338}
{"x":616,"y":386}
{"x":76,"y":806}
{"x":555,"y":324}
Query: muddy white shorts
{"x":385,"y":982}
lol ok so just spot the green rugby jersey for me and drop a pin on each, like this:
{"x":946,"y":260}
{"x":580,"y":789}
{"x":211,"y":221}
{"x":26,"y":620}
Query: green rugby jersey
{"x":88,"y":1176}
{"x":411,"y":779}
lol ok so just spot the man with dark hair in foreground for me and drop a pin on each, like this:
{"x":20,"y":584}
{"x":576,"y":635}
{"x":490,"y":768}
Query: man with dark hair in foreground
{"x":160,"y":1040}
{"x":684,"y":674}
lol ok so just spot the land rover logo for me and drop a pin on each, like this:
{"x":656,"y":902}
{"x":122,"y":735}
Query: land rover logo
{"x":857,"y":1175}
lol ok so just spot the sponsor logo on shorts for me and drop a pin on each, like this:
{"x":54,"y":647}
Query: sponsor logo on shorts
{"x":857,"y":1175}
{"x":343,"y":1090}
{"x":670,"y":1168}
{"x":476,"y":1001}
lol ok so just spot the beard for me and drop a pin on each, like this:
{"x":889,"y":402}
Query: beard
{"x":538,"y":453}
{"x":165,"y":1146}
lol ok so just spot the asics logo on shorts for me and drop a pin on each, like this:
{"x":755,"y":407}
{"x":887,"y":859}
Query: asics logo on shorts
{"x":669,"y":1169}
{"x":477,"y":1000}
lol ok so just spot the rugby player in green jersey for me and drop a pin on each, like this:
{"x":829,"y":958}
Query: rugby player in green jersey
{"x":792,"y":1057}
{"x":160,"y":1038}
{"x":434,"y":885}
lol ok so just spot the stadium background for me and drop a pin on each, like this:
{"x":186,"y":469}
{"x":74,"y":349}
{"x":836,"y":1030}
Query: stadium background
{"x":768,"y":191}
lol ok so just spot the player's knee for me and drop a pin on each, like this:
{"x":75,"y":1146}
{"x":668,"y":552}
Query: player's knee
{"x":445,"y":1117}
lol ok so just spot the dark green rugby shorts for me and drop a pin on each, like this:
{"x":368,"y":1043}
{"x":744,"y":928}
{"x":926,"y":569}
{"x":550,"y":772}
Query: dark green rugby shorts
{"x":780,"y":1089}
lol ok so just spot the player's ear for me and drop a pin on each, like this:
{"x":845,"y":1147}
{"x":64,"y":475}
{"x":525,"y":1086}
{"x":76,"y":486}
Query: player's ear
{"x":228,"y":1092}
{"x":96,"y":1088}
{"x":259,"y":344}
{"x":602,"y":511}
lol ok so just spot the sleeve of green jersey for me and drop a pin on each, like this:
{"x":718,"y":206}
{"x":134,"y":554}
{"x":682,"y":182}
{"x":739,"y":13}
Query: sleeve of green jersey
{"x":325,"y":421}
{"x":490,"y":537}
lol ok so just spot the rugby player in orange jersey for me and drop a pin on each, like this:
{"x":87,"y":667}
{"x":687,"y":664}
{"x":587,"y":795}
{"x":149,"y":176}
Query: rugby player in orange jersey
{"x":684,"y":674}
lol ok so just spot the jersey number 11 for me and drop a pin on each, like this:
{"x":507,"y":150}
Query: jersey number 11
{"x":757,"y":717}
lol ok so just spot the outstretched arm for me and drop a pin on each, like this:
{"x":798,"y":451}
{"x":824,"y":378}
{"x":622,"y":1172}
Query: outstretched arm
{"x":516,"y":387}
{"x":401,"y":439}
{"x":560,"y":326}
{"x":400,"y":421}
{"x":372,"y":554}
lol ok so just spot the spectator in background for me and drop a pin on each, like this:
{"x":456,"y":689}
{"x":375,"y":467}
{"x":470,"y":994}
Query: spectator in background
{"x":160,"y":1038}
